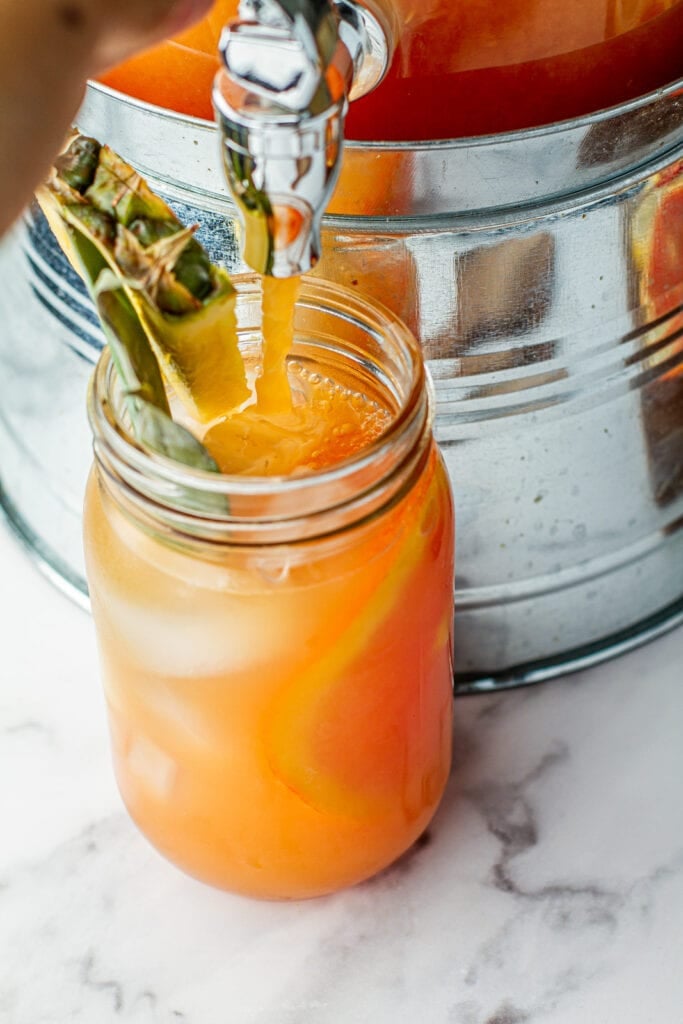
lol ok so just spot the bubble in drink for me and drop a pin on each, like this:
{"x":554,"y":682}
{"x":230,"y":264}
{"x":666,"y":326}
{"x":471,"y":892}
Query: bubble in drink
{"x":327,"y":423}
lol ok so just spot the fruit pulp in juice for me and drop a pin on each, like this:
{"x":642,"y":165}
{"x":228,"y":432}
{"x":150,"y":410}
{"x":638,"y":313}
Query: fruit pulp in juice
{"x":462,"y":67}
{"x":281,"y":716}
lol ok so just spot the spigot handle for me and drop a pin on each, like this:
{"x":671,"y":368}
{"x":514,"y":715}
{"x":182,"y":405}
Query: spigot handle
{"x":311,"y":22}
{"x":281,"y":50}
{"x":280,"y":102}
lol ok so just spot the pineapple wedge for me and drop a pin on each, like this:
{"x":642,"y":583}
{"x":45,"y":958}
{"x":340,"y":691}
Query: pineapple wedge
{"x":105,"y":216}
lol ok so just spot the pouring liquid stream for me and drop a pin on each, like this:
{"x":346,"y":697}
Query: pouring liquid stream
{"x":298,"y":418}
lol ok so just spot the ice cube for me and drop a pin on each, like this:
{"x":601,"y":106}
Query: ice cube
{"x":190,"y":718}
{"x":218,"y":637}
{"x":152,"y":767}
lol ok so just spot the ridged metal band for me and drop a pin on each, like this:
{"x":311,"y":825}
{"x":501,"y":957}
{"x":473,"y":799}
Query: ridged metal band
{"x":424,"y":179}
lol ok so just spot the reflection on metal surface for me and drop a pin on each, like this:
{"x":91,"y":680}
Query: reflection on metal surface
{"x":663,"y":412}
{"x":380,"y":264}
{"x":574,"y":661}
{"x":627,"y":135}
{"x":656,"y":242}
{"x":506,"y":290}
{"x":45,"y":558}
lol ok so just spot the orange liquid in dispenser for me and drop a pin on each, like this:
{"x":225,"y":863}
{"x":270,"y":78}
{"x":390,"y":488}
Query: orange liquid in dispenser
{"x":463,"y":67}
{"x":291,"y":735}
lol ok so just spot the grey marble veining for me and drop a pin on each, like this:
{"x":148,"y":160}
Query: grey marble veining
{"x":548,"y":890}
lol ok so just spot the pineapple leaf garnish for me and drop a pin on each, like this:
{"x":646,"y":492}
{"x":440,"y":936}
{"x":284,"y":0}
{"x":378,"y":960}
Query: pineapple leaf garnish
{"x":129,"y":345}
{"x":141,"y":379}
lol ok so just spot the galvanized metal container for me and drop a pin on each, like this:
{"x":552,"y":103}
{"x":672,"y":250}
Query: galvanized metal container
{"x":541,"y":272}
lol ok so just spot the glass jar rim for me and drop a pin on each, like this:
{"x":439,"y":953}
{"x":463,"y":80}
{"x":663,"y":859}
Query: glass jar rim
{"x":161,"y":481}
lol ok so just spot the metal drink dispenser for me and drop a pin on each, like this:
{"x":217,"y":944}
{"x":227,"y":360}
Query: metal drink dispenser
{"x":513,"y":189}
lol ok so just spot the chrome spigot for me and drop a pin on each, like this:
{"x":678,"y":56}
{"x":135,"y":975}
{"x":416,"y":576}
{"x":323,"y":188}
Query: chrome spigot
{"x":289,"y":69}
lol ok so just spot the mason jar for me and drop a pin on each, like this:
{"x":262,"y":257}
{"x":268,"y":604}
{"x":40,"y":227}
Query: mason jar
{"x":276,"y":652}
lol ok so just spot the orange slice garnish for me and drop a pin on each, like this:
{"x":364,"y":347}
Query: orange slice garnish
{"x":367,"y":727}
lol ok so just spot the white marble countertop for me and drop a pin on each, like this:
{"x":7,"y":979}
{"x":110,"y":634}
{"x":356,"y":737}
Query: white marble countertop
{"x":550,"y":890}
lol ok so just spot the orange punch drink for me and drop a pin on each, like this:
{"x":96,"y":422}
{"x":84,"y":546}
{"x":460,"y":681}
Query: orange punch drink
{"x":276,"y":638}
{"x":459,"y":67}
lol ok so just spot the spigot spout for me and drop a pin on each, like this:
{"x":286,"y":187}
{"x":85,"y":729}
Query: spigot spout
{"x":281,"y":96}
